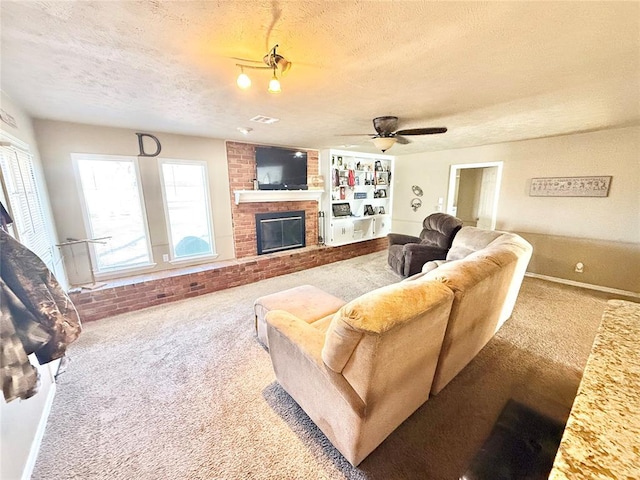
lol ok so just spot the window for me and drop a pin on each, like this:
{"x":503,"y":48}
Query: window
{"x":24,"y":202}
{"x":185,"y":191}
{"x":114,"y":207}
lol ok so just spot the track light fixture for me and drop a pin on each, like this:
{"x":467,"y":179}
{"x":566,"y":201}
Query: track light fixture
{"x":273,"y":61}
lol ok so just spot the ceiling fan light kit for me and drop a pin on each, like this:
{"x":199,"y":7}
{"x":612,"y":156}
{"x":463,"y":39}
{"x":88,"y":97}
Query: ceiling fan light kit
{"x":387,"y":135}
{"x":384,"y":143}
{"x":273,"y":61}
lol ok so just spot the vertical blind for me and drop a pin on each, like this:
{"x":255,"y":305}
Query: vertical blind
{"x":26,"y":205}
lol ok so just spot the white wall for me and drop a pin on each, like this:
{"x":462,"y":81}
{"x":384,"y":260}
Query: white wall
{"x":611,"y":152}
{"x":22,"y":422}
{"x":59,"y":140}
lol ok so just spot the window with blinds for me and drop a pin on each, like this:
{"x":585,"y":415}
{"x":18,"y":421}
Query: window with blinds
{"x":26,"y":207}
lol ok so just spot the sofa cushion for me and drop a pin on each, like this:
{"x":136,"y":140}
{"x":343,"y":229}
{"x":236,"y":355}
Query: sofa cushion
{"x":376,"y":312}
{"x":469,"y":240}
{"x":481,"y":283}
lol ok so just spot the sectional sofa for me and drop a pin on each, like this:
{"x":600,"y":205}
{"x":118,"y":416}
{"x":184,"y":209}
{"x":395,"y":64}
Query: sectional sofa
{"x":359,"y":369}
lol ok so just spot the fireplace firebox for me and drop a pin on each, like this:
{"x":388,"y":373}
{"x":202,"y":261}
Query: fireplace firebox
{"x":277,"y":231}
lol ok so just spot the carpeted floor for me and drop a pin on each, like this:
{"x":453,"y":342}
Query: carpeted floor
{"x":185,"y":391}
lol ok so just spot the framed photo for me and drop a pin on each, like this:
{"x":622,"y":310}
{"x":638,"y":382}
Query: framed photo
{"x":570,"y":186}
{"x":368,"y":210}
{"x":381,"y":210}
{"x":382,"y":193}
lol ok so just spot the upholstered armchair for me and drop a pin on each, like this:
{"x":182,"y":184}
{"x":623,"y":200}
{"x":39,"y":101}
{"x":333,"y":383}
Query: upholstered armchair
{"x":407,"y":254}
{"x":359,"y":373}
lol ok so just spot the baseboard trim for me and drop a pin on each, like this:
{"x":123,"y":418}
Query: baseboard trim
{"x":583,"y":285}
{"x":37,"y":440}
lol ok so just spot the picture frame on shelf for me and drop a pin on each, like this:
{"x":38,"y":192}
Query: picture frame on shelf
{"x":381,"y":210}
{"x":381,"y":193}
{"x":368,"y":210}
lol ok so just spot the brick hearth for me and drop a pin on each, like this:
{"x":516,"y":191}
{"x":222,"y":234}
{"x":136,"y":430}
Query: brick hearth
{"x":186,"y":283}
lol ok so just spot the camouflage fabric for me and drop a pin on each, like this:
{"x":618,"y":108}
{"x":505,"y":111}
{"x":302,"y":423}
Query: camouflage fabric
{"x":37,"y":317}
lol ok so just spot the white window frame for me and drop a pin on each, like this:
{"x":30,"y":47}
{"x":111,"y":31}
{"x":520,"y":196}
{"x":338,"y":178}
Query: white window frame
{"x":108,"y":272}
{"x":27,"y":213}
{"x":201,"y":163}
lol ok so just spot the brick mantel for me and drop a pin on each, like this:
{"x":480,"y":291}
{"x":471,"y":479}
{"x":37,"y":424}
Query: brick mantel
{"x":241,"y":161}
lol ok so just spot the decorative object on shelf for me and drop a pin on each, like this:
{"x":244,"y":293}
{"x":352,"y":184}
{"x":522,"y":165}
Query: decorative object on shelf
{"x":597,"y":186}
{"x":381,"y":193}
{"x":359,"y":195}
{"x":417,"y":191}
{"x":381,"y":210}
{"x":368,"y":210}
{"x":352,"y":178}
{"x":315,"y":182}
{"x":341,"y":209}
{"x":273,"y":61}
{"x":387,"y":136}
{"x":378,"y":166}
{"x":342,"y":192}
{"x":416,"y":203}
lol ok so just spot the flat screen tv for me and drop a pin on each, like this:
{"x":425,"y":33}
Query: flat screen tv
{"x":281,"y":168}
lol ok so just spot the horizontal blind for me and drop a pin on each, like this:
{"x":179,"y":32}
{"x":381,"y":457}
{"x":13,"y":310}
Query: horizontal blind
{"x":26,"y":205}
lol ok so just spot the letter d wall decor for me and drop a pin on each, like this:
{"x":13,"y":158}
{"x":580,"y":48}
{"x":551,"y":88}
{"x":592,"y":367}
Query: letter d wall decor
{"x":141,"y":145}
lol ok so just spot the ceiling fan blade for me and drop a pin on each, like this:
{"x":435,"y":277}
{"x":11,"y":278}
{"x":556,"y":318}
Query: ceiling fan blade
{"x":385,"y":125}
{"x":401,"y":140}
{"x":422,"y":131}
{"x":356,"y":135}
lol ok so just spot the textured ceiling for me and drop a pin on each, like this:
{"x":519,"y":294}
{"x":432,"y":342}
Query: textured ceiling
{"x":490,"y":72}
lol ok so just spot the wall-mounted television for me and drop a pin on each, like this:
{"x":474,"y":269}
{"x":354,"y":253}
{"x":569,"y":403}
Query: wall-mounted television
{"x":281,"y":168}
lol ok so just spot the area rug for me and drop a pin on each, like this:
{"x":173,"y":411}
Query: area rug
{"x":185,"y":391}
{"x":521,"y":446}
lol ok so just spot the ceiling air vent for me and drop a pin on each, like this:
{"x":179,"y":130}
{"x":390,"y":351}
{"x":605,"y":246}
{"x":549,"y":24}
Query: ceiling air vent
{"x":263,"y":119}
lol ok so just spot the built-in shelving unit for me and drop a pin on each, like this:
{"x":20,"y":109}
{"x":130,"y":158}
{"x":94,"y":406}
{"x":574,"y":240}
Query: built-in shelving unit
{"x":363,"y":182}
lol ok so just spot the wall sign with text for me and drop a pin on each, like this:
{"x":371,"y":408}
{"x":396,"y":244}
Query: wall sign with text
{"x":570,"y":186}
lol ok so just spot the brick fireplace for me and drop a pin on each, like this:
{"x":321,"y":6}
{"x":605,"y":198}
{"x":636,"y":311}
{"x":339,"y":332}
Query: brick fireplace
{"x":242,"y":170}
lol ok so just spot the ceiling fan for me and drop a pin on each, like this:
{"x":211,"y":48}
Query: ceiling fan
{"x":387,"y":135}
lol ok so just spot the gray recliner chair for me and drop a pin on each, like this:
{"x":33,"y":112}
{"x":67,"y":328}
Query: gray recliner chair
{"x":407,"y":254}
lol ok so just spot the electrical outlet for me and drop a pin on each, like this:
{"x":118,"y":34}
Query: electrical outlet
{"x":579,"y":267}
{"x":165,"y":257}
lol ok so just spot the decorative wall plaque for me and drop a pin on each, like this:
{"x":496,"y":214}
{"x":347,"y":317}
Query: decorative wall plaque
{"x":570,"y":186}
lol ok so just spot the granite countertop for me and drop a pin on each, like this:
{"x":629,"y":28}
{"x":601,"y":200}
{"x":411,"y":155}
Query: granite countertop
{"x":602,"y":436}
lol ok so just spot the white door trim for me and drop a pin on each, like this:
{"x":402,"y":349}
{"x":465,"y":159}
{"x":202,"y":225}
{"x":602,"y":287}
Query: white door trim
{"x":453,"y":176}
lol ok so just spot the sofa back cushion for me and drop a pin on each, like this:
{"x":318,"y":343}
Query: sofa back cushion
{"x":481,"y":283}
{"x":469,"y":240}
{"x":387,"y":336}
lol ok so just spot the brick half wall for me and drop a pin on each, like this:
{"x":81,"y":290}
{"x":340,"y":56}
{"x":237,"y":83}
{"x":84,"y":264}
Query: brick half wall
{"x":108,"y":301}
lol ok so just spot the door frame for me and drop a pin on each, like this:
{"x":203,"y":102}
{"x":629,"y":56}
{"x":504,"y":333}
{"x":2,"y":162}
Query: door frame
{"x":454,"y":173}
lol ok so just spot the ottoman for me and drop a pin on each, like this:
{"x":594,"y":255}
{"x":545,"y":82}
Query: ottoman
{"x":305,"y":302}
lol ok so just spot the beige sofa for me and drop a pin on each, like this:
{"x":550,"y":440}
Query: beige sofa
{"x":361,"y":371}
{"x":485,"y":270}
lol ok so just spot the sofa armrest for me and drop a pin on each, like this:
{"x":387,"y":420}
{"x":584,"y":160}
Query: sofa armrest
{"x":401,"y":239}
{"x":296,"y":345}
{"x":416,"y":255}
{"x":307,"y":339}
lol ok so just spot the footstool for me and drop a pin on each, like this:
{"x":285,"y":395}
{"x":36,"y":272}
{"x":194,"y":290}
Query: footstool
{"x":306,"y":302}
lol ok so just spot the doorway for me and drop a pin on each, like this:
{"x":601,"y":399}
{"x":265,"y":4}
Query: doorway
{"x":474,"y":189}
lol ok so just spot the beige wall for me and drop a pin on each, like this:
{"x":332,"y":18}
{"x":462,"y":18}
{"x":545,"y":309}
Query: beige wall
{"x":601,"y":221}
{"x":469,"y":195}
{"x":23,"y":421}
{"x":58,"y":140}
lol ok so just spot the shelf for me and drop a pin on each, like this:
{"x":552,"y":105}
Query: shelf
{"x":252,"y":196}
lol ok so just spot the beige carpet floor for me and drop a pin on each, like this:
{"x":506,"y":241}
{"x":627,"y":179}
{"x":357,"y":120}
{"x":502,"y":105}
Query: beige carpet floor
{"x":185,"y":391}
